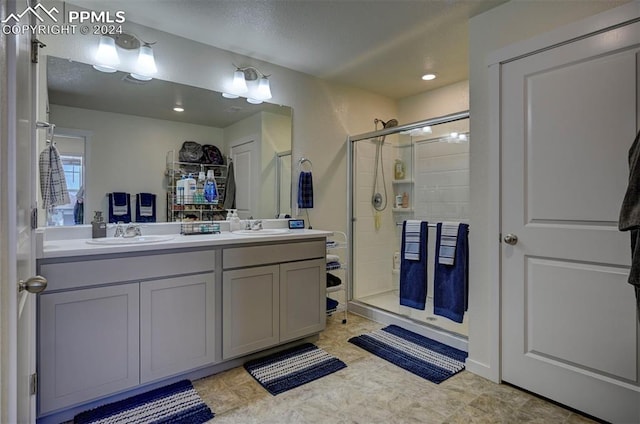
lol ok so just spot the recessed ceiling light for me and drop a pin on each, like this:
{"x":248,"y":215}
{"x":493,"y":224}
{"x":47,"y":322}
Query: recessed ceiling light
{"x":178,"y":109}
{"x":429,"y":77}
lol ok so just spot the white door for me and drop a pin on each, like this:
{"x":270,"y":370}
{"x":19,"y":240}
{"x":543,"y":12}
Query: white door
{"x":569,"y":324}
{"x":247,"y":168}
{"x":17,"y":185}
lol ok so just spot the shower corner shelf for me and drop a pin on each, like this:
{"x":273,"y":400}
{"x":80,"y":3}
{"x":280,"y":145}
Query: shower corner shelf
{"x":339,"y":241}
{"x":402,"y":182}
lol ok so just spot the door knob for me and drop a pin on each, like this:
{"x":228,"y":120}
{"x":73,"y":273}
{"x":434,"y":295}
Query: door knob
{"x":511,"y":239}
{"x":33,"y":285}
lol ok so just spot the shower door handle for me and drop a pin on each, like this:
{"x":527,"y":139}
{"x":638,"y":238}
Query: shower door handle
{"x":511,"y":239}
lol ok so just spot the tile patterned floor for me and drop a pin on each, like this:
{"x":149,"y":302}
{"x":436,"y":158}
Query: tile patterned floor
{"x":371,"y":390}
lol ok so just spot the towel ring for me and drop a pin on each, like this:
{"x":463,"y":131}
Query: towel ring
{"x":302,"y":162}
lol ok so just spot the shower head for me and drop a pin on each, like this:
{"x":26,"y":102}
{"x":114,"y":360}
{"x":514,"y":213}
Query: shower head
{"x":390,"y":123}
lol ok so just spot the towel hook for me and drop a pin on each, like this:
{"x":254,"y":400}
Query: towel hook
{"x":302,"y":162}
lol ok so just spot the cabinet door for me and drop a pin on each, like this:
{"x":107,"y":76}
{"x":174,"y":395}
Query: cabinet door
{"x":88,"y":344}
{"x":177,"y":325}
{"x":302,"y":298}
{"x":250,"y":305}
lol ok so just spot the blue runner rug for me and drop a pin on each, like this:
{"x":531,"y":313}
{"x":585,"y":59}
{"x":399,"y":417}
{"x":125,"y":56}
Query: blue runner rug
{"x":176,"y":403}
{"x":293,"y":367}
{"x":417,"y":354}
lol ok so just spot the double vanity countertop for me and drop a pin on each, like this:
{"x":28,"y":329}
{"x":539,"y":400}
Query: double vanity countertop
{"x":50,"y":246}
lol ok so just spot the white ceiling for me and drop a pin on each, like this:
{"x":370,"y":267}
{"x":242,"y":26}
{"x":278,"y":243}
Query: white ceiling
{"x":382,"y":46}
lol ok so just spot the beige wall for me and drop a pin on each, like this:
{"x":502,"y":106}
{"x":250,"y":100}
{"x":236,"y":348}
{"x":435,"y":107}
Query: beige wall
{"x":492,"y":30}
{"x":442,"y":101}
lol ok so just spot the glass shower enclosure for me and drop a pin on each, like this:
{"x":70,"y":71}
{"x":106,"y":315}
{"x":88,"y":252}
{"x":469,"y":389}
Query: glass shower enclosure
{"x":416,"y":171}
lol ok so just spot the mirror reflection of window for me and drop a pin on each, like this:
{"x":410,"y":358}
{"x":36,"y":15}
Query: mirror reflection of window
{"x":72,"y":156}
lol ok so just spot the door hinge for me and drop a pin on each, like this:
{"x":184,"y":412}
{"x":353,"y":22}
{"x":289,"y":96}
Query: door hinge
{"x":33,"y":383}
{"x":34,"y":218}
{"x":35,"y":45}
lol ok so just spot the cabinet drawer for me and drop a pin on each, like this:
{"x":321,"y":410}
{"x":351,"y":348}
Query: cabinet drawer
{"x":238,"y":257}
{"x":66,"y":275}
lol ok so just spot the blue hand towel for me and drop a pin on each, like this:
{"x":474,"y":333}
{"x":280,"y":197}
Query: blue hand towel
{"x":413,"y":273}
{"x":305,"y":190}
{"x":145,"y":207}
{"x":451,"y":282}
{"x":119,"y":207}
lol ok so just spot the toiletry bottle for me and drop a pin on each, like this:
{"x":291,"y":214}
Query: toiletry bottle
{"x":180,"y":191}
{"x":190,"y":189}
{"x":235,"y":221}
{"x":398,"y":170}
{"x":210,"y":190}
{"x":98,"y":226}
{"x":405,"y":200}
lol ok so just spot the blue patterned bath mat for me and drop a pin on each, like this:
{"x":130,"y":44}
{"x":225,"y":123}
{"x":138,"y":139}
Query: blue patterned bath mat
{"x":293,"y":367}
{"x":417,"y":354}
{"x":176,"y":403}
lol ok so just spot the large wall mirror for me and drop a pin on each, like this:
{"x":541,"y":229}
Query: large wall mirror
{"x":118,"y":134}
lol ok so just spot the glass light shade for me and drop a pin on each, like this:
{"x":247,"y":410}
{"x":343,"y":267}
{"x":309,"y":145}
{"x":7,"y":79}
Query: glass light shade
{"x":229,"y":96}
{"x":146,"y":64}
{"x":263,"y":91}
{"x":106,"y":57}
{"x":254,"y":101}
{"x":239,"y":85}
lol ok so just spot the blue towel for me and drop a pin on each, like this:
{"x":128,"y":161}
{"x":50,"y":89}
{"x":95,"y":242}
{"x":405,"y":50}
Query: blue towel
{"x":451,"y":282}
{"x":305,"y":190}
{"x":145,"y":207}
{"x":119,"y":207}
{"x":412,"y":240}
{"x":413,"y":273}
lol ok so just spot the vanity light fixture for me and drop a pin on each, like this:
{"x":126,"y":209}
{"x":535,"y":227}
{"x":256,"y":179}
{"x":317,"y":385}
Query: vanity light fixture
{"x":429,"y":77}
{"x":107,"y":57}
{"x":249,"y":82}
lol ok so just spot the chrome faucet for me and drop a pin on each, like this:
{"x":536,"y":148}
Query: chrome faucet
{"x":132,"y":230}
{"x":256,"y":225}
{"x":119,"y":230}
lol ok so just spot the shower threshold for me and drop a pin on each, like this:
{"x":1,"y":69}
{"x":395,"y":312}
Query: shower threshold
{"x":385,"y":308}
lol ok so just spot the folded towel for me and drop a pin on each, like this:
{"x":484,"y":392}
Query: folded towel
{"x":119,"y":207}
{"x":333,"y":258}
{"x":145,"y":207}
{"x":413,"y":273}
{"x":332,"y":304}
{"x":332,"y":280}
{"x":333,"y":265}
{"x":448,"y":238}
{"x":451,"y":282}
{"x":305,"y":190}
{"x":411,"y":240}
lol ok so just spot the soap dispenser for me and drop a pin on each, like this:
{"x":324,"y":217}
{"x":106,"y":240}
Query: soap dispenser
{"x":235,"y":220}
{"x":98,"y":226}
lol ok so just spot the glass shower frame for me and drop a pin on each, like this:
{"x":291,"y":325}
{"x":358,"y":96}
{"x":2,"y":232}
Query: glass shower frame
{"x":356,"y":305}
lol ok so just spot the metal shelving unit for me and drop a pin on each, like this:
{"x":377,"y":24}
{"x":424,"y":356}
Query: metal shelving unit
{"x":336,"y":244}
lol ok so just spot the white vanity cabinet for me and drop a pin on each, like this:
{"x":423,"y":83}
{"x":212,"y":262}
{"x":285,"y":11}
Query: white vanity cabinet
{"x":271,"y":294}
{"x":89,"y":341}
{"x":176,"y":325}
{"x":114,"y":323}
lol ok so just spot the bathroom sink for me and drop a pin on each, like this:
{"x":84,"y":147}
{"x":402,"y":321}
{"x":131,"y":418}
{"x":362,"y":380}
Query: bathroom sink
{"x":264,"y":232}
{"x":130,"y":240}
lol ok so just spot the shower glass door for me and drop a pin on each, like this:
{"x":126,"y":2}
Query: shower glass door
{"x":434,"y":187}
